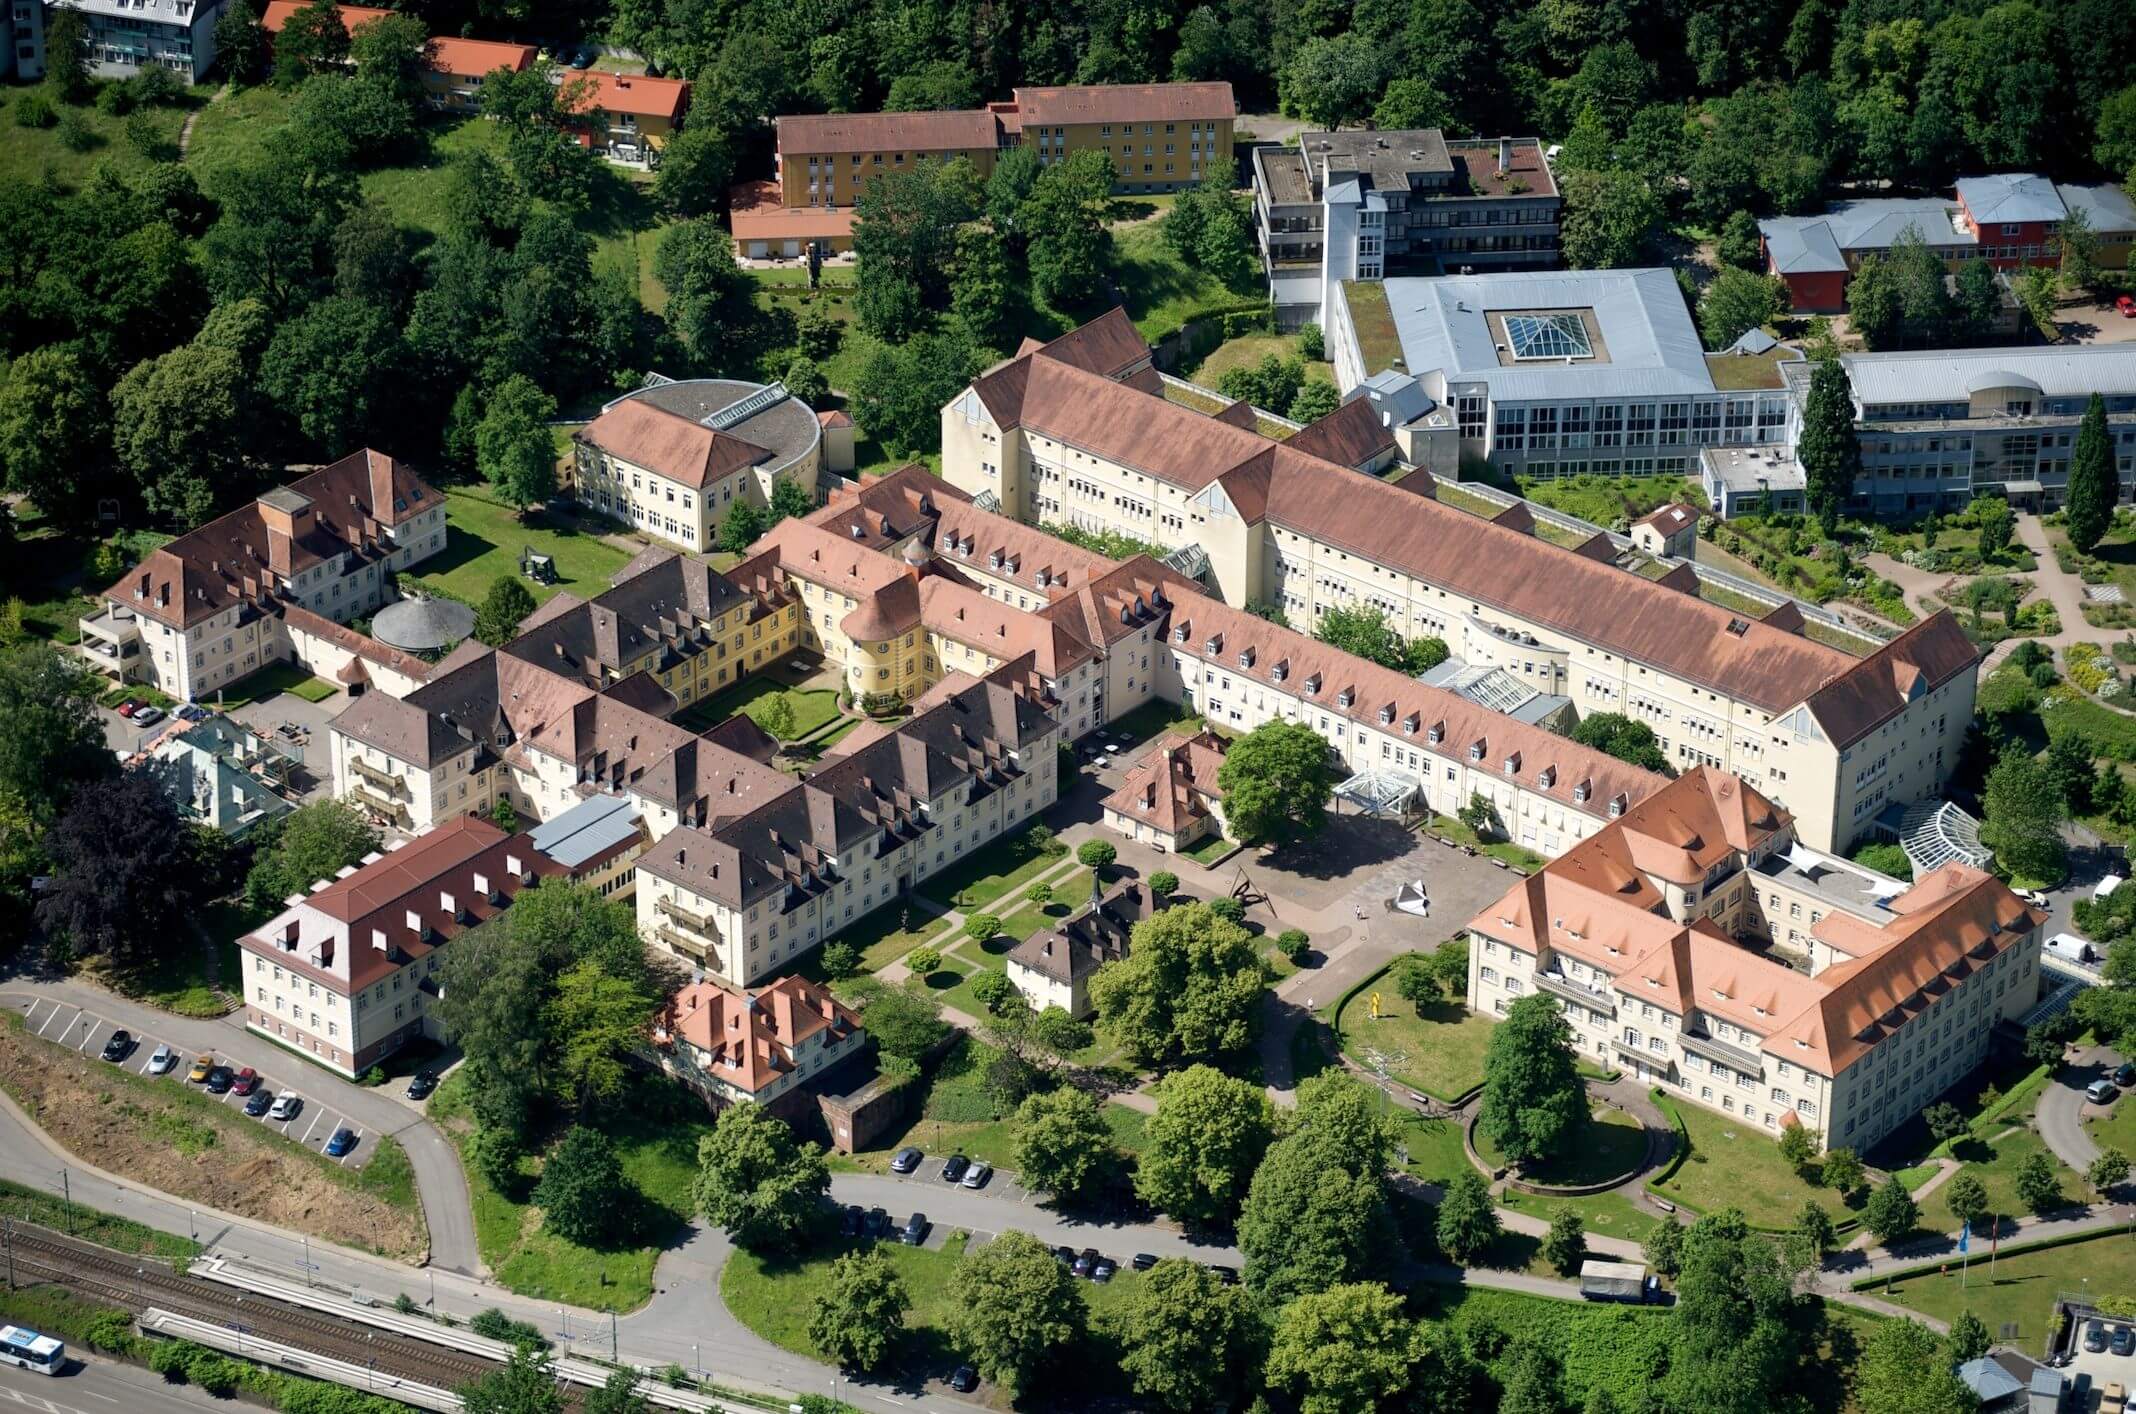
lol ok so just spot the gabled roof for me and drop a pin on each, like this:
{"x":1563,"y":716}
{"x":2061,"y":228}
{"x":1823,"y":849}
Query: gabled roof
{"x":748,"y":1039}
{"x":676,"y":447}
{"x":1171,"y":787}
{"x":630,"y":93}
{"x":1091,"y":938}
{"x":1918,"y":661}
{"x":1125,"y":103}
{"x":1351,"y":436}
{"x":911,"y":133}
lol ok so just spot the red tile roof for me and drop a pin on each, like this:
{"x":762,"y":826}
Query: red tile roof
{"x":748,"y":1038}
{"x":757,"y":212}
{"x":1125,"y":103}
{"x":675,"y":446}
{"x":630,"y":93}
{"x":467,"y":58}
{"x":914,"y":134}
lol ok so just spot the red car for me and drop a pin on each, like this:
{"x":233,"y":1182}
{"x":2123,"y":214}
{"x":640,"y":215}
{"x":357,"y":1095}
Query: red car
{"x":2127,"y":305}
{"x":248,"y":1080}
{"x":129,"y":707}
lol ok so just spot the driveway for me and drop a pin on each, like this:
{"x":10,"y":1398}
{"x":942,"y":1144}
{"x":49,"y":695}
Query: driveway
{"x":438,"y":1178}
{"x":2063,"y":1108}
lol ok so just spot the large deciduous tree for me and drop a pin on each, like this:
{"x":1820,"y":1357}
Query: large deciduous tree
{"x":1189,"y":989}
{"x":515,"y":449}
{"x":1345,"y":1350}
{"x":758,"y":1181}
{"x":1610,"y":219}
{"x":55,"y":432}
{"x":311,"y":843}
{"x":1277,"y":781}
{"x":1733,"y":1331}
{"x":583,"y":1194}
{"x":1188,"y":1337}
{"x":1905,"y":1369}
{"x":1316,"y":1213}
{"x":329,"y":369}
{"x":125,"y":865}
{"x":178,"y":430}
{"x":905,"y":227}
{"x":51,"y":739}
{"x":1202,"y":1146}
{"x":1533,"y":1099}
{"x":497,"y":619}
{"x":2022,"y":815}
{"x":1061,"y":1144}
{"x":859,"y":1312}
{"x":1622,"y":737}
{"x":1070,"y":244}
{"x":709,"y":298}
{"x":1012,"y":1309}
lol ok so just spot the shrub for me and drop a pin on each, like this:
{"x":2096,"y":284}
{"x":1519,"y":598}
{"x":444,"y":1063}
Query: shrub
{"x":498,"y":1326}
{"x":116,"y":99}
{"x":1294,"y":944}
{"x":75,"y":134}
{"x":840,"y":960}
{"x":34,"y":110}
{"x":168,"y":1359}
{"x":925,"y":960}
{"x":110,"y":1331}
{"x":1229,"y":909}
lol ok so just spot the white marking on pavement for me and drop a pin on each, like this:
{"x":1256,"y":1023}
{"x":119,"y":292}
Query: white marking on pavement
{"x":310,"y":1127}
{"x":94,"y":1023}
{"x":48,"y":1019}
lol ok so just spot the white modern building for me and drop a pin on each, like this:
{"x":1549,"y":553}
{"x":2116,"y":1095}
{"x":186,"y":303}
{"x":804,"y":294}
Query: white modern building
{"x":126,"y":36}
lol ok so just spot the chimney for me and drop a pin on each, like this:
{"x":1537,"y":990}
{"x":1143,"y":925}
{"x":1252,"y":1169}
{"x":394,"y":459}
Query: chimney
{"x":1505,"y":155}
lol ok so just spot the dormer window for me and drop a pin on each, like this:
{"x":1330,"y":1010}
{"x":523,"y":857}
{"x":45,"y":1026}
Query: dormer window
{"x":1312,"y":686}
{"x":1513,"y":764}
{"x":1547,"y":777}
{"x":1214,"y":646}
{"x":1345,"y":698}
{"x":1280,"y":671}
{"x":1437,"y":733}
{"x":1409,"y":724}
{"x":1616,"y":805}
{"x":1476,"y":751}
{"x":1580,"y":793}
{"x":1179,"y":635}
{"x":1386,"y":716}
{"x":1246,"y":657}
{"x":993,"y":561}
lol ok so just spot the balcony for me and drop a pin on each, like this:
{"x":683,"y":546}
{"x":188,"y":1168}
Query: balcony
{"x":695,"y":922}
{"x":363,"y":797}
{"x":683,"y":943}
{"x":1734,"y":1057}
{"x":1594,"y":998}
{"x":381,"y":782}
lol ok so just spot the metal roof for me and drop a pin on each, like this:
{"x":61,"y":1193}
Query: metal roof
{"x":1949,"y":375}
{"x":587,"y":830}
{"x":2010,"y":196}
{"x":1801,"y":245}
{"x":416,"y":625}
{"x":1652,"y":348}
{"x":2107,"y":207}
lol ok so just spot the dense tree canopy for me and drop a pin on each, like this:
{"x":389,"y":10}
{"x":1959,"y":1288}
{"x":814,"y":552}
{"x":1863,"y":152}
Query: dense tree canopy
{"x":1189,"y":989}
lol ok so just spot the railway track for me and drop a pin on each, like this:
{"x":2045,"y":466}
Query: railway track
{"x":139,"y":1283}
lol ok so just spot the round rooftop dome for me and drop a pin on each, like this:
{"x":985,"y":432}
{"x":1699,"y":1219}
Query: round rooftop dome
{"x":423,"y":625}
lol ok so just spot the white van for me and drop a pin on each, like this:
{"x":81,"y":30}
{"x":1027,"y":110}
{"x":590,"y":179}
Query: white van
{"x":2071,"y":948}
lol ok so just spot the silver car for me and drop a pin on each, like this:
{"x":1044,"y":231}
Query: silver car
{"x":977,"y":1175}
{"x":163,"y":1061}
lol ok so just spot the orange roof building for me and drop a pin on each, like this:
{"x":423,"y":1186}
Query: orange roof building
{"x":765,"y":228}
{"x":1696,"y":943}
{"x":457,"y":66}
{"x":1170,"y":797}
{"x":755,"y":1046}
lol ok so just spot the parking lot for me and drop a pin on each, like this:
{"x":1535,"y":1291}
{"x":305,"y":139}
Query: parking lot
{"x":313,"y":1125}
{"x":2091,"y":1371}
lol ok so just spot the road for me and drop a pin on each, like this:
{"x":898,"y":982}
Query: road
{"x":99,"y":1386}
{"x":436,"y":1163}
{"x":2062,"y":1106}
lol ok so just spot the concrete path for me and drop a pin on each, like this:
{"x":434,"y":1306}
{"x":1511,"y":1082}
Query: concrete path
{"x":439,"y":1181}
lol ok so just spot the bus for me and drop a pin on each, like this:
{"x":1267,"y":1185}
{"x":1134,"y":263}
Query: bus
{"x":19,"y":1345}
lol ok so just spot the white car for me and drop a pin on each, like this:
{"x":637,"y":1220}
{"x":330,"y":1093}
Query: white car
{"x":285,"y":1107}
{"x":163,"y":1062}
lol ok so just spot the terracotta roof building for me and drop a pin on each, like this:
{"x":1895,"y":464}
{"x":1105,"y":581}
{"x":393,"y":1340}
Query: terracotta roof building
{"x":453,"y":80}
{"x":757,"y":1046}
{"x":1053,"y":966}
{"x":347,"y":972}
{"x":1170,"y":797}
{"x":1698,"y":944}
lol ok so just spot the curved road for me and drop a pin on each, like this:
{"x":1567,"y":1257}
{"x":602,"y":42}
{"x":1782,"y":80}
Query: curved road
{"x":2062,"y":1106}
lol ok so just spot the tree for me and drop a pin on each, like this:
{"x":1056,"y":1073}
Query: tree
{"x":124,"y":863}
{"x":1741,"y":245}
{"x":1015,"y":173}
{"x":240,"y":43}
{"x":1329,"y":82}
{"x":1061,"y":1144}
{"x":1799,"y":1147}
{"x":899,"y":392}
{"x":1468,"y":1221}
{"x":314,"y":40}
{"x":1967,"y":1198}
{"x":1346,"y":1350}
{"x":2115,"y":147}
{"x":806,"y":380}
{"x":1622,"y":737}
{"x":1012,"y":1308}
{"x":981,"y":289}
{"x":922,"y":961}
{"x":859,"y":1311}
{"x":1905,"y":1370}
{"x":515,"y":450}
{"x":327,"y":369}
{"x":1096,"y":855}
{"x":1609,"y":219}
{"x":2079,"y":243}
{"x":1830,"y":453}
{"x":843,"y":960}
{"x":758,"y":1181}
{"x":740,"y":526}
{"x":2093,"y":486}
{"x":1366,"y":633}
{"x":995,"y":991}
{"x":1944,"y":1120}
{"x":2108,"y":1171}
{"x":582,"y":1193}
{"x":1969,"y":1339}
{"x":1210,"y":226}
{"x":1189,"y":989}
{"x":1733,"y":1334}
{"x":1277,"y":780}
{"x":1040,"y":893}
{"x":1565,"y":1245}
{"x":1976,"y":304}
{"x":1533,"y":1098}
{"x":51,"y":738}
{"x":1818,"y":1233}
{"x":1891,"y":1212}
{"x":1664,"y":1248}
{"x":2037,"y":1187}
{"x":1070,"y":244}
{"x":696,"y":167}
{"x":1316,"y":1212}
{"x":504,"y":816}
{"x":176,"y":428}
{"x":1202,"y":1146}
{"x":1996,"y":523}
{"x":777,"y":716}
{"x":67,"y":53}
{"x":1188,"y":1338}
{"x":905,"y":240}
{"x":1409,"y":103}
{"x":1164,"y":883}
{"x":311,"y":843}
{"x":55,"y":427}
{"x":906,"y":1022}
{"x":508,"y":602}
{"x":2023,"y":813}
{"x":1843,"y":1172}
{"x":709,"y":298}
{"x":1736,"y":302}
{"x":526,"y":1384}
{"x":594,"y":1021}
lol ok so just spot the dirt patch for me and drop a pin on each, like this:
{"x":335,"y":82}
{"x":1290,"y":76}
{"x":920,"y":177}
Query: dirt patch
{"x":159,"y":1135}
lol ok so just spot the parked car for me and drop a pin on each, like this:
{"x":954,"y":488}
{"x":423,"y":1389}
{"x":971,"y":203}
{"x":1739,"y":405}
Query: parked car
{"x":2100,"y":1091}
{"x":2125,"y":1074}
{"x":162,"y":1061}
{"x":905,"y":1160}
{"x":1084,"y":1261}
{"x":259,"y":1102}
{"x":148,"y":716}
{"x":193,"y":712}
{"x":2113,"y":1399}
{"x":420,"y":1087}
{"x":2127,"y":305}
{"x":2121,"y":1340}
{"x":850,"y":1219}
{"x":1229,"y":1276}
{"x":201,"y":1066}
{"x":915,"y":1230}
{"x":878,"y":1223}
{"x":285,"y":1107}
{"x":120,"y":1043}
{"x":128,"y":707}
{"x":247,"y":1081}
{"x":953,"y":1168}
{"x":1064,"y":1255}
{"x":220,"y":1079}
{"x":343,"y":1141}
{"x":1143,"y":1261}
{"x":977,"y":1175}
{"x":2095,"y":1337}
{"x":965,"y":1380}
{"x":1102,"y":1270}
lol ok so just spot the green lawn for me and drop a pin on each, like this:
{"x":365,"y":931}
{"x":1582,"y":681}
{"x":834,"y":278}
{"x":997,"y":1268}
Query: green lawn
{"x":1734,"y":1166}
{"x":1610,"y":1144}
{"x":1519,"y":856}
{"x":1605,"y":500}
{"x":104,"y":1229}
{"x":2020,"y":1287}
{"x":1612,"y":1214}
{"x":273,"y":680}
{"x":2116,"y":1129}
{"x":989,"y":873}
{"x":483,"y":541}
{"x":1995,"y":1163}
{"x":1247,"y":350}
{"x":31,"y":154}
{"x":887,"y":934}
{"x":1438,"y":1050}
{"x":813,"y":707}
{"x":1434,"y":1148}
{"x":178,"y":980}
{"x":1163,"y":291}
{"x":1149,"y":720}
{"x":656,"y":1128}
{"x":1209,"y":850}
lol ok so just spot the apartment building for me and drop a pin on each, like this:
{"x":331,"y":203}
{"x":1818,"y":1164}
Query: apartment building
{"x":765,"y":1047}
{"x":1698,"y":945}
{"x":2010,"y":219}
{"x":1341,"y":206}
{"x":1940,"y":426}
{"x":1833,"y":736}
{"x":268,"y":583}
{"x":1171,"y":799}
{"x":1160,"y":137}
{"x":453,"y":81}
{"x":221,"y":774}
{"x":126,"y":36}
{"x":22,"y":40}
{"x":672,"y":458}
{"x":625,"y":117}
{"x":1053,"y":967}
{"x":1558,"y":373}
{"x":347,"y":974}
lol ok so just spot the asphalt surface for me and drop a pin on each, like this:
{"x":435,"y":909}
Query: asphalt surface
{"x":2062,"y":1106}
{"x":436,"y":1164}
{"x":98,"y":1386}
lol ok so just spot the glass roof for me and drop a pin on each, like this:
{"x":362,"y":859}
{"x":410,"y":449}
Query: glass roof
{"x":1548,"y":336}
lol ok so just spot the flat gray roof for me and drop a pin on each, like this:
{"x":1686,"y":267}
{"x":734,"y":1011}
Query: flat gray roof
{"x":1652,"y":349}
{"x":786,"y":429}
{"x":1743,"y":469}
{"x":1951,"y":375}
{"x":587,"y":830}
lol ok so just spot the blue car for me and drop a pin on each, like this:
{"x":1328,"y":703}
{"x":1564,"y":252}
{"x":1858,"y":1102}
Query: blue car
{"x":343,"y":1141}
